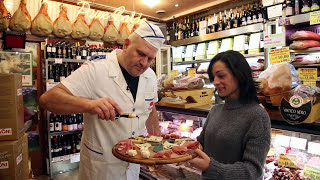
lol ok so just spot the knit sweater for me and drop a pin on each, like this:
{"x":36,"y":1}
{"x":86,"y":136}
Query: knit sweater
{"x":236,"y":137}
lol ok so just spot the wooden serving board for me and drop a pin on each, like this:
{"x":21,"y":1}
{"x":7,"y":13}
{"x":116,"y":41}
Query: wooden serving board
{"x":175,"y":158}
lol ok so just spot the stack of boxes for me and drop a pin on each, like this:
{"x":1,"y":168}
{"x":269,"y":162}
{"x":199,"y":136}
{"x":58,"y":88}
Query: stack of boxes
{"x":13,"y":141}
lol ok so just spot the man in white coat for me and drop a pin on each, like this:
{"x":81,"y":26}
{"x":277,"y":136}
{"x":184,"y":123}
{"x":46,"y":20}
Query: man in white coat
{"x":123,"y":83}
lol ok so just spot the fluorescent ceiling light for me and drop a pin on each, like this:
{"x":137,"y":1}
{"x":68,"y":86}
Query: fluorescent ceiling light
{"x":151,"y":3}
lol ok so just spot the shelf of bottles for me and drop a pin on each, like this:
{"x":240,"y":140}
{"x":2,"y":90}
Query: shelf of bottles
{"x":65,"y":124}
{"x":65,"y":147}
{"x":242,"y":20}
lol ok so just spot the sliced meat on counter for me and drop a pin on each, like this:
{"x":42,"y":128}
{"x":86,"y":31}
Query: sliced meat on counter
{"x":191,"y":144}
{"x":163,"y":154}
{"x":80,"y":28}
{"x":62,"y":26}
{"x":42,"y":24}
{"x":305,"y":35}
{"x":124,"y":33}
{"x":189,"y":82}
{"x":96,"y":30}
{"x":304,"y":44}
{"x":111,"y":33}
{"x":179,"y":149}
{"x":4,"y":16}
{"x":305,"y":59}
{"x":21,"y":19}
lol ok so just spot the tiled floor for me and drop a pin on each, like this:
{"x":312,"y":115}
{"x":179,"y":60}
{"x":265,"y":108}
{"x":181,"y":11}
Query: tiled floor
{"x":72,"y":175}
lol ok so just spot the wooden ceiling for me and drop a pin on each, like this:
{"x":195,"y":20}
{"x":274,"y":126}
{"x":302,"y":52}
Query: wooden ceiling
{"x":185,"y":6}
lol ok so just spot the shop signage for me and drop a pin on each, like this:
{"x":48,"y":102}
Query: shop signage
{"x":315,"y":17}
{"x":310,"y":83}
{"x":308,"y":74}
{"x":274,"y":40}
{"x":174,"y":73}
{"x":295,"y":115}
{"x":191,"y":72}
{"x":288,"y":160}
{"x":298,"y":143}
{"x":279,"y":55}
{"x":117,"y":14}
{"x":311,"y":172}
{"x":313,"y":148}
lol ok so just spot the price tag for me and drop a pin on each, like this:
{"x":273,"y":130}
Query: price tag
{"x":311,"y":172}
{"x":226,"y":44}
{"x":43,"y":45}
{"x":279,"y":55}
{"x":313,"y":148}
{"x":281,"y":140}
{"x":213,"y":47}
{"x":58,"y":60}
{"x":203,"y":27}
{"x":274,"y":40}
{"x":254,"y":41}
{"x":191,"y":72}
{"x":174,"y":73}
{"x":238,"y":44}
{"x":272,"y":152}
{"x":274,"y":11}
{"x":298,"y":143}
{"x":51,"y":85}
{"x":75,"y":158}
{"x":315,"y":17}
{"x":288,"y":160}
{"x":308,"y":74}
{"x":311,"y":83}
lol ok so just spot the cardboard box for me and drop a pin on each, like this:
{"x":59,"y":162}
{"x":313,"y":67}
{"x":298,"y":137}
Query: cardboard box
{"x":11,"y":159}
{"x":25,"y":157}
{"x":11,"y":107}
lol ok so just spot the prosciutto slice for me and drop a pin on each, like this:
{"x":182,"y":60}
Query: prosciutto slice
{"x":42,"y":24}
{"x":125,"y":146}
{"x":163,"y":154}
{"x":21,"y":19}
{"x":4,"y":19}
{"x":96,"y":30}
{"x":62,"y":26}
{"x":124,"y":33}
{"x":80,"y":28}
{"x":179,"y":149}
{"x":111,"y":33}
{"x":191,"y":145}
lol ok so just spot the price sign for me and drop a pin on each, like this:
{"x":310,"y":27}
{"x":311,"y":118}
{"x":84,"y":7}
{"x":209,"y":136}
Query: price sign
{"x":272,"y":152}
{"x":58,"y":61}
{"x":311,"y":172}
{"x":313,"y":148}
{"x":75,"y":158}
{"x":174,"y":73}
{"x":281,"y":140}
{"x":213,"y":47}
{"x":254,"y":41}
{"x":191,"y":72}
{"x":308,"y":74}
{"x":238,"y":44}
{"x":43,"y":45}
{"x":311,"y":83}
{"x":315,"y":17}
{"x":279,"y":55}
{"x":298,"y":143}
{"x":288,"y":160}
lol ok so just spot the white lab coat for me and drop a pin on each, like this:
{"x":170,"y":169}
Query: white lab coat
{"x":100,"y":79}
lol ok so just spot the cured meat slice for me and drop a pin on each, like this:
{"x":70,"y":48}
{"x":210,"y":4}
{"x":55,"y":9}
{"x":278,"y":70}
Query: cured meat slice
{"x":125,"y":146}
{"x":96,"y":30}
{"x":4,"y":16}
{"x":62,"y":26}
{"x":191,"y":145}
{"x":305,"y":35}
{"x":80,"y":29}
{"x":42,"y":24}
{"x":304,"y":44}
{"x":21,"y":19}
{"x":179,"y":149}
{"x":305,"y":59}
{"x":163,"y":154}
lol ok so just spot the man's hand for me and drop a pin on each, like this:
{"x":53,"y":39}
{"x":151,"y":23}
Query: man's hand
{"x":202,"y":162}
{"x":105,"y":108}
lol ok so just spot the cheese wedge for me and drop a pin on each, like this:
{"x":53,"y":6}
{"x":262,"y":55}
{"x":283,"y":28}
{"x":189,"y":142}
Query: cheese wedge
{"x":154,"y":139}
{"x":143,"y":146}
{"x":132,"y":152}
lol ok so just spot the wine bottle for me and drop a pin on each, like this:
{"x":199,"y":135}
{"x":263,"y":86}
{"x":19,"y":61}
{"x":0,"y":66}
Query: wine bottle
{"x":51,"y":124}
{"x":48,"y":50}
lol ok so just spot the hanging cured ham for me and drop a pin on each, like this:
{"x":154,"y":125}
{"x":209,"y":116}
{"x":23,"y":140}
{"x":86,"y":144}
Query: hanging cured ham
{"x":124,"y":33}
{"x":42,"y":24}
{"x":80,"y":29}
{"x":4,"y":19}
{"x":21,"y":19}
{"x":96,"y":30}
{"x":62,"y":26}
{"x":111,"y":33}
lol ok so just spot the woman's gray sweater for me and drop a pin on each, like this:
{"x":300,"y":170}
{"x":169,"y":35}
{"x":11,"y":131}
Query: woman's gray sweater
{"x":237,"y":139}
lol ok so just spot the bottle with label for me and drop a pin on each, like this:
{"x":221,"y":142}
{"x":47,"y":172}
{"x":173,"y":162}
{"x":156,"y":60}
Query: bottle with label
{"x":249,"y":15}
{"x":246,"y":44}
{"x":64,"y":123}
{"x":314,"y":5}
{"x":48,"y":50}
{"x":52,"y":123}
{"x":254,"y":13}
{"x":262,"y":42}
{"x":260,"y":13}
{"x":235,"y":22}
{"x":70,"y":123}
{"x":221,"y":23}
{"x":69,"y":151}
{"x":59,"y":50}
{"x":62,"y":72}
{"x":289,"y":9}
{"x":306,"y":7}
{"x":296,"y":7}
{"x":57,"y":73}
{"x":78,"y":55}
{"x":80,"y":121}
{"x":227,"y":21}
{"x":55,"y":147}
{"x":75,"y":122}
{"x":284,"y":7}
{"x":50,"y":73}
{"x":64,"y":145}
{"x":53,"y":50}
{"x":198,"y":27}
{"x":244,"y":17}
{"x":84,"y":52}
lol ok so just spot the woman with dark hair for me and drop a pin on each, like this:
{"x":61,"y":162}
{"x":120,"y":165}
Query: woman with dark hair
{"x":236,"y":135}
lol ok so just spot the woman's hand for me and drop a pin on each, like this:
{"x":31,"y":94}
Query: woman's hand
{"x":202,"y":162}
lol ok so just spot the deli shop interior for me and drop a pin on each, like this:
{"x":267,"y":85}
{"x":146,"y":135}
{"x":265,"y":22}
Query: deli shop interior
{"x":184,"y":112}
